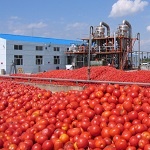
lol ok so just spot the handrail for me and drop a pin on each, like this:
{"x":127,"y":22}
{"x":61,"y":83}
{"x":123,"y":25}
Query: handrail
{"x":74,"y":80}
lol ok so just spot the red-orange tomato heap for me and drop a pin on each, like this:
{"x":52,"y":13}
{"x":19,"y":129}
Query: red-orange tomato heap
{"x":104,"y":117}
{"x":101,"y":73}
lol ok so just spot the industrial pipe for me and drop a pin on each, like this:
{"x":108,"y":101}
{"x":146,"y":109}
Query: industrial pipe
{"x":107,"y":26}
{"x":129,"y":25}
{"x":138,"y":38}
{"x":89,"y":53}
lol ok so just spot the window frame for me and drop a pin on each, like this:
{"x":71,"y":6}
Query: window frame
{"x":18,"y":47}
{"x":56,"y":49}
{"x":39,"y":48}
{"x":39,"y":60}
{"x":56,"y":59}
{"x":18,"y":60}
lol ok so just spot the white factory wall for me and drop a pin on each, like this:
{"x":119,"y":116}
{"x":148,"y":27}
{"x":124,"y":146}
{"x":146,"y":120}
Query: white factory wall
{"x":29,"y":53}
{"x":2,"y":55}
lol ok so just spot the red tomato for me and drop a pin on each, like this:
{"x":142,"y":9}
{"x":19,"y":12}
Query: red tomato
{"x":116,"y":92}
{"x":47,"y":145}
{"x":100,"y":143}
{"x":121,"y":144}
{"x":110,"y":88}
{"x":94,"y":130}
{"x":147,"y":147}
{"x":133,"y":141}
{"x":36,"y":146}
{"x":82,"y":142}
{"x":126,"y":134}
{"x":133,"y":115}
{"x":74,"y":131}
{"x":58,"y":144}
{"x":127,"y":105}
{"x":105,"y":132}
{"x":131,"y":148}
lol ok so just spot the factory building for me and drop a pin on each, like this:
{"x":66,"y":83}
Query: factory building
{"x":28,"y":54}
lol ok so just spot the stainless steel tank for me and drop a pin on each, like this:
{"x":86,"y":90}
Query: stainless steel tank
{"x":124,"y":30}
{"x":99,"y":31}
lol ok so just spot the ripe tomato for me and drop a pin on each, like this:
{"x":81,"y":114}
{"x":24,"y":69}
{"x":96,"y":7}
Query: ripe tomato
{"x":36,"y":146}
{"x":64,"y":137}
{"x":82,"y":142}
{"x":110,"y":88}
{"x":94,"y":130}
{"x":47,"y":145}
{"x":121,"y":144}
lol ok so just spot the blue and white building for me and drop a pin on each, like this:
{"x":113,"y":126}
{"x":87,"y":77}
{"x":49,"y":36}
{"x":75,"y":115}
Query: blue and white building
{"x":32,"y":54}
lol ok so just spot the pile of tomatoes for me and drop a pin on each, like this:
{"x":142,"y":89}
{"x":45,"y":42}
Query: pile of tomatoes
{"x":104,"y":117}
{"x":102,"y":73}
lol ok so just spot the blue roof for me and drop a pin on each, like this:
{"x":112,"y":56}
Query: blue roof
{"x":38,"y":39}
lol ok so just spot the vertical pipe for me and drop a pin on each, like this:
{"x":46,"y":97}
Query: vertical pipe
{"x":138,"y":38}
{"x":89,"y":52}
{"x":114,"y":40}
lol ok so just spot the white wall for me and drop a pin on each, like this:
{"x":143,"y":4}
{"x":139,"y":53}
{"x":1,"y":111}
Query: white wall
{"x":2,"y":55}
{"x":29,"y":56}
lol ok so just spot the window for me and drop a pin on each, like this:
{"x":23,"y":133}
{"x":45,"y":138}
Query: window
{"x":39,"y":60}
{"x":56,"y":48}
{"x":18,"y":47}
{"x":39,"y":48}
{"x":18,"y":59}
{"x":56,"y":60}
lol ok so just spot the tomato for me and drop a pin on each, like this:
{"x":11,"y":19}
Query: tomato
{"x":94,"y":130}
{"x":105,"y":132}
{"x":121,"y":144}
{"x":131,"y":148}
{"x":64,"y":137}
{"x":82,"y":142}
{"x":113,"y":99}
{"x":58,"y":144}
{"x":147,"y":147}
{"x":146,"y":135}
{"x":23,"y":145}
{"x":116,"y":92}
{"x":69,"y":145}
{"x":127,"y":105}
{"x":100,"y":143}
{"x":114,"y":131}
{"x":99,"y":94}
{"x":133,"y":141}
{"x":36,"y":146}
{"x":126,"y":134}
{"x":133,"y":115}
{"x":47,"y":145}
{"x":74,"y":131}
{"x":40,"y":138}
{"x":142,"y":143}
{"x":110,"y":88}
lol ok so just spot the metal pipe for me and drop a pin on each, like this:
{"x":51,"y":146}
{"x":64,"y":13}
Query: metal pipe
{"x":129,"y":25}
{"x":114,"y":40}
{"x":138,"y":38}
{"x":72,"y":80}
{"x":89,"y":53}
{"x":107,"y":26}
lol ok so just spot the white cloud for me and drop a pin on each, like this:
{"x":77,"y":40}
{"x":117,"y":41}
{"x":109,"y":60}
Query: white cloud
{"x":37,"y":25}
{"x":148,"y":28}
{"x":18,"y":31}
{"x":14,"y":17}
{"x":76,"y":25}
{"x":127,"y":7}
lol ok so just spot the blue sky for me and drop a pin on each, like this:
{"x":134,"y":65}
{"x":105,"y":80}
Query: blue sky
{"x":71,"y":19}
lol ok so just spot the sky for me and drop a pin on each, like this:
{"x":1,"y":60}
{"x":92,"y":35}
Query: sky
{"x":71,"y":19}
